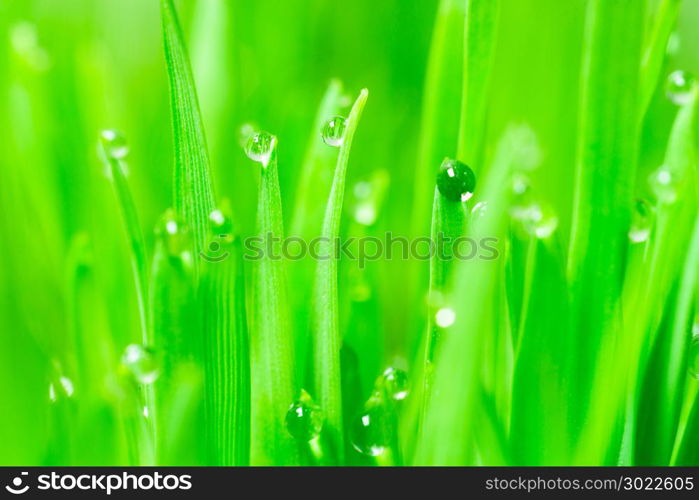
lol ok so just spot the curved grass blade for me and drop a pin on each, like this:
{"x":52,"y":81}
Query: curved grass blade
{"x":227,"y":360}
{"x":193,"y":193}
{"x":327,"y":340}
{"x":271,"y":341}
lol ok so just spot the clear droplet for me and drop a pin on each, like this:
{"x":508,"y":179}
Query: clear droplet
{"x":455,"y":180}
{"x":174,"y":236}
{"x":480,"y":209}
{"x":114,"y":144}
{"x":641,"y":222}
{"x":680,"y":87}
{"x":445,"y":317}
{"x":333,"y":132}
{"x":537,"y":219}
{"x":694,"y":357}
{"x":370,"y":431}
{"x":368,"y":197}
{"x":61,"y":388}
{"x":245,"y":132}
{"x":304,"y":419}
{"x":395,"y":383}
{"x":260,"y":146}
{"x":142,"y":362}
{"x":663,"y":183}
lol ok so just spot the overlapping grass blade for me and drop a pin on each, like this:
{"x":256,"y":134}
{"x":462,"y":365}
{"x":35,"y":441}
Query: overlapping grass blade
{"x":271,"y":341}
{"x":327,"y":340}
{"x":193,"y":193}
{"x":606,"y":166}
{"x":227,"y":358}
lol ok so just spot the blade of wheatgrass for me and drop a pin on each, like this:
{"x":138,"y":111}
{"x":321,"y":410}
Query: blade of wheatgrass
{"x":448,"y":220}
{"x":312,"y":193}
{"x":439,"y":125}
{"x":643,"y":310}
{"x":687,"y":426}
{"x":327,"y":340}
{"x":177,"y":337}
{"x":271,"y":341}
{"x":654,"y":48}
{"x":667,"y":249}
{"x":449,"y":423}
{"x":605,"y":169}
{"x":227,"y":359}
{"x":193,"y":193}
{"x":480,"y":32}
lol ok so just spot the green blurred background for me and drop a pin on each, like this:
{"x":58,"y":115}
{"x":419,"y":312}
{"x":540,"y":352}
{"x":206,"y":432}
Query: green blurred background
{"x":73,"y":67}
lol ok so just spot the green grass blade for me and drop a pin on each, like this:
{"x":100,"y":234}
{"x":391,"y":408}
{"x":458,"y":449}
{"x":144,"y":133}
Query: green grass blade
{"x":654,"y":49}
{"x":222,"y":299}
{"x":480,"y":32}
{"x":327,"y":340}
{"x":606,"y":164}
{"x":271,"y":341}
{"x":193,"y":193}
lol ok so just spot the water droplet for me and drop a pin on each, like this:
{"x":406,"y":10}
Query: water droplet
{"x":333,"y":132}
{"x":695,"y":329}
{"x":245,"y":132}
{"x":455,"y":180}
{"x":395,"y":383}
{"x":694,"y":357}
{"x":260,"y":146}
{"x":370,"y":431}
{"x":174,"y":235}
{"x":142,"y":362}
{"x":61,"y":388}
{"x":368,"y":197}
{"x":663,"y":183}
{"x":445,"y":317}
{"x":480,"y":209}
{"x":304,"y":419}
{"x":114,"y":144}
{"x":680,"y":87}
{"x":537,"y":219}
{"x":641,"y":221}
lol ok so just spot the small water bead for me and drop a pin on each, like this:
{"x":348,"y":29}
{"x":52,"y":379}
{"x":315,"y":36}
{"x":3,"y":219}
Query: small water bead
{"x":142,"y":362}
{"x":680,"y":87}
{"x":368,"y":197}
{"x":395,"y":383}
{"x":641,"y":222}
{"x":480,"y":209}
{"x":333,"y":131}
{"x":245,"y":132}
{"x":445,"y":317}
{"x":304,"y":419}
{"x":663,"y":183}
{"x":61,"y":388}
{"x":175,"y":236}
{"x":537,"y":219}
{"x":114,"y":144}
{"x":455,"y":180}
{"x":370,"y":431}
{"x":260,"y":146}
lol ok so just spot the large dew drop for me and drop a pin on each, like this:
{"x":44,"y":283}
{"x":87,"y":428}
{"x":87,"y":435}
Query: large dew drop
{"x":142,"y":362}
{"x":370,"y":431}
{"x":455,"y":180}
{"x":663,"y":183}
{"x":680,"y":87}
{"x":304,"y":419}
{"x":260,"y":146}
{"x":333,"y":131}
